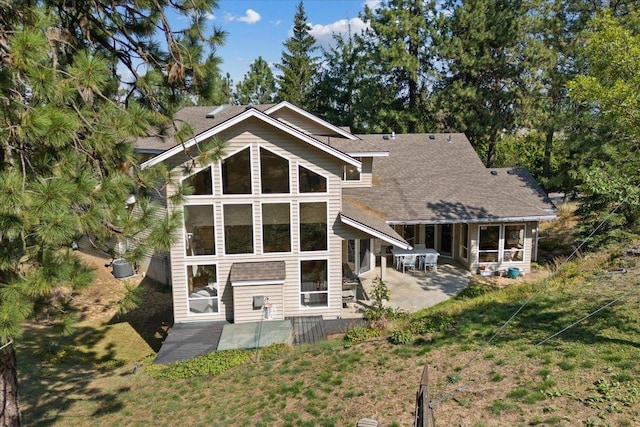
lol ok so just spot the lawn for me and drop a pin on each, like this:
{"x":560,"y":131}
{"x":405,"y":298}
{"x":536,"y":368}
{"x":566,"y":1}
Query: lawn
{"x":586,"y":376}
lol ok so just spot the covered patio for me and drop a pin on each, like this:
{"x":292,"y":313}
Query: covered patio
{"x":412,"y":290}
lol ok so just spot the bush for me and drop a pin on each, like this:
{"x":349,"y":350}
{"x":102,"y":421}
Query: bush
{"x":401,"y":336}
{"x":433,"y":322}
{"x":359,"y":334}
{"x":209,"y":364}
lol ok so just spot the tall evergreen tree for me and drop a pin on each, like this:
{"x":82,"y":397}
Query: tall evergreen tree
{"x":298,"y":65}
{"x":399,"y":47}
{"x":258,"y":85}
{"x":479,"y":46}
{"x":66,"y":160}
{"x":608,"y":141}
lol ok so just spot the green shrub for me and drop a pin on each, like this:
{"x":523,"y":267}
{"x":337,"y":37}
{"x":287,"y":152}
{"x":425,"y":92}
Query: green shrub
{"x":359,"y":334}
{"x":209,"y":364}
{"x":432,"y":322}
{"x":401,"y":336}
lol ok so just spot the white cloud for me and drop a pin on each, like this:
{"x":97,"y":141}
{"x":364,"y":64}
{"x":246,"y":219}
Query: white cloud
{"x":324,"y":33}
{"x":250,"y":17}
{"x":373,"y":4}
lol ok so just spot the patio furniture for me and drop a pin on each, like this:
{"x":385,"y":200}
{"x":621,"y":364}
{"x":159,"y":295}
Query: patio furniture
{"x":429,"y":260}
{"x":408,"y":261}
{"x":427,"y":257}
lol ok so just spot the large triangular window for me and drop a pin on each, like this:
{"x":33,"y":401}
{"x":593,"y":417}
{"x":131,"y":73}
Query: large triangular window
{"x":236,"y":173}
{"x":200,"y":182}
{"x":311,"y":182}
{"x":274,"y":172}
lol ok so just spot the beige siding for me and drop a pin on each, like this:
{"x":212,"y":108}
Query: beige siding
{"x":244,"y":310}
{"x":256,"y":135}
{"x":366,"y":175}
{"x":529,"y":243}
{"x":301,"y":123}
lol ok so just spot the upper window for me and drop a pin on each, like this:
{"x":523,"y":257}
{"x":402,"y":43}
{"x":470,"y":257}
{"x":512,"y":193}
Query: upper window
{"x":513,"y":243}
{"x":276,"y":227}
{"x":200,"y":182}
{"x":236,"y":173}
{"x":311,"y":182}
{"x":313,"y":226}
{"x":350,"y":172}
{"x":488,"y":246}
{"x":238,"y":229}
{"x":199,"y":234}
{"x":274,"y":172}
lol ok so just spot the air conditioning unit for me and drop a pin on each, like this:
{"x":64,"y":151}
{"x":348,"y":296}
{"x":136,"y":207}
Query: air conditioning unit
{"x":121,"y":268}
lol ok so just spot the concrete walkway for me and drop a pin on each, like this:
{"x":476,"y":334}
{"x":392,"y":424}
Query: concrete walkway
{"x":414,"y":290}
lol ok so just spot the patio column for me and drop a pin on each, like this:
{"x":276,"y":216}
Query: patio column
{"x":383,"y":266}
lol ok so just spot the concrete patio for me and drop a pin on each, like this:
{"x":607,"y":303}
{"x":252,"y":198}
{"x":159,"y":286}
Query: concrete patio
{"x":413,"y":290}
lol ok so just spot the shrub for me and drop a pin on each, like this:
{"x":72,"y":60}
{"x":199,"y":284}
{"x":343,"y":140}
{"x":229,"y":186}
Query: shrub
{"x":401,"y":336}
{"x":359,"y":334}
{"x":209,"y":364}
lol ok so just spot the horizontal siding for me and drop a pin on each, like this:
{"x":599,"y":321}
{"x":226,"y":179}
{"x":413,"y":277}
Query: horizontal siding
{"x":255,"y":135}
{"x":366,"y":175}
{"x":243,"y":302}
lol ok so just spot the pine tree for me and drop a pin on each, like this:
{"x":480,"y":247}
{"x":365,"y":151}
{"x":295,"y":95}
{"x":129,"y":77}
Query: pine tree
{"x":399,"y":47}
{"x":66,"y":160}
{"x":480,"y":94}
{"x":258,"y":85}
{"x":298,"y":65}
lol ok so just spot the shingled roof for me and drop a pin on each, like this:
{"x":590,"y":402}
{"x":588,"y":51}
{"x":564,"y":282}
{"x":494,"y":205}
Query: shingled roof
{"x":439,"y":178}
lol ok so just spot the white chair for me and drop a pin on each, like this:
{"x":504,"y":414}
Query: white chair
{"x":409,"y":261}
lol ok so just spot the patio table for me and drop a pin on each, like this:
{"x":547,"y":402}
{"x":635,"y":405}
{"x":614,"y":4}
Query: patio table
{"x":426,"y":256}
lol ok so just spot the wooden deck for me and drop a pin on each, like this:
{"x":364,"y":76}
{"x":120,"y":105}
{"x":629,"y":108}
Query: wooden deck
{"x":307,"y":329}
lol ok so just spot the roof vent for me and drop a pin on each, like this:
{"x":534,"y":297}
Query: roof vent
{"x":449,"y":139}
{"x":215,"y":111}
{"x":393,"y":135}
{"x":432,"y":136}
{"x":494,"y":173}
{"x":385,"y":137}
{"x":248,"y":107}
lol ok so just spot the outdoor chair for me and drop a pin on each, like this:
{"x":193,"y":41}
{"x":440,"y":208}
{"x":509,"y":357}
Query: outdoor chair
{"x":409,"y":261}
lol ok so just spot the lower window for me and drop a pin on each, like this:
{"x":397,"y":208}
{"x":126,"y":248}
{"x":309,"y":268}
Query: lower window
{"x":489,"y":243}
{"x":313,"y":283}
{"x":202,"y":283}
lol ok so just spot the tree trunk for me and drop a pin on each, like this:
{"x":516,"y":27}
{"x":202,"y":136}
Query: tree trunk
{"x":10,"y":414}
{"x":548,"y":147}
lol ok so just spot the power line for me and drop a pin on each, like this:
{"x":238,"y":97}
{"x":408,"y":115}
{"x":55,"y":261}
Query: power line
{"x":440,"y":397}
{"x":633,"y":291}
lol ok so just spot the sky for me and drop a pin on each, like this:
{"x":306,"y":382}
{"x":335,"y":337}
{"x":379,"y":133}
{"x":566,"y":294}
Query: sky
{"x":259,"y":28}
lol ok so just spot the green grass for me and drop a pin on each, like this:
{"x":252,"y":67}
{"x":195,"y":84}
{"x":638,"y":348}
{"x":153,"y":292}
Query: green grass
{"x":588,"y":374}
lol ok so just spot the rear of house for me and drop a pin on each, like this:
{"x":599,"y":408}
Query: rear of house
{"x":271,"y":225}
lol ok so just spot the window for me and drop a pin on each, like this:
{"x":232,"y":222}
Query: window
{"x":489,"y":243}
{"x":202,"y":283}
{"x":313,"y":283}
{"x":236,"y":173}
{"x":276,"y":227}
{"x":199,"y":232}
{"x":274,"y":172}
{"x":238,"y":229}
{"x":409,"y":233}
{"x":350,"y":172}
{"x":311,"y":182}
{"x":464,"y":241}
{"x":313,"y":226}
{"x":200,"y":182}
{"x":513,"y":243}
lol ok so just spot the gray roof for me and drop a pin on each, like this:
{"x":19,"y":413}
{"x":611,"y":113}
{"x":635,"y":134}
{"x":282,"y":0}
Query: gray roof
{"x":367,"y":216}
{"x":257,"y":271}
{"x":439,"y":178}
{"x":200,"y":120}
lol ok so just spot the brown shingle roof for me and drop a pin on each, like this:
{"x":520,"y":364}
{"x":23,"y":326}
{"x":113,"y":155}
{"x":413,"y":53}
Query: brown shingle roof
{"x":257,"y":271}
{"x":440,"y":178}
{"x":367,"y":216}
{"x":200,"y":121}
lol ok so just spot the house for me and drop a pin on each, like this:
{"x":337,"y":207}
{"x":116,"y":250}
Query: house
{"x":269,"y":227}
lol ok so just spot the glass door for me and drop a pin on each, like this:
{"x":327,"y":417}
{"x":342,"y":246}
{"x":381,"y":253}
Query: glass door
{"x":446,"y":240}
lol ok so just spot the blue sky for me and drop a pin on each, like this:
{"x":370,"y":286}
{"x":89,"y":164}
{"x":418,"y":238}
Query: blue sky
{"x":259,"y":27}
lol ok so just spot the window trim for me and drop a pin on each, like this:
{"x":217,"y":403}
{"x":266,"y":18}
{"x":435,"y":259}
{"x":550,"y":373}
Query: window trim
{"x":262,"y":194}
{"x":299,"y":248}
{"x":359,"y":169}
{"x":300,"y":292}
{"x":221,"y":176}
{"x":253,"y":228}
{"x":185,"y":233}
{"x":312,"y":169}
{"x":217,"y":298}
{"x":498,"y":258}
{"x":291,"y":222}
{"x":198,"y":170}
{"x":504,"y":240}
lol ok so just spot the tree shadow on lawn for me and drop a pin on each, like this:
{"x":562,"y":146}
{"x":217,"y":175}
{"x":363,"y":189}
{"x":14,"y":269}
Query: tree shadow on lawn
{"x":541,"y":319}
{"x":49,"y":387}
{"x":153,"y":316}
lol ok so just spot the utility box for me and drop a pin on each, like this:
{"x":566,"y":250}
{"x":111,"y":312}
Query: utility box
{"x":121,"y":268}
